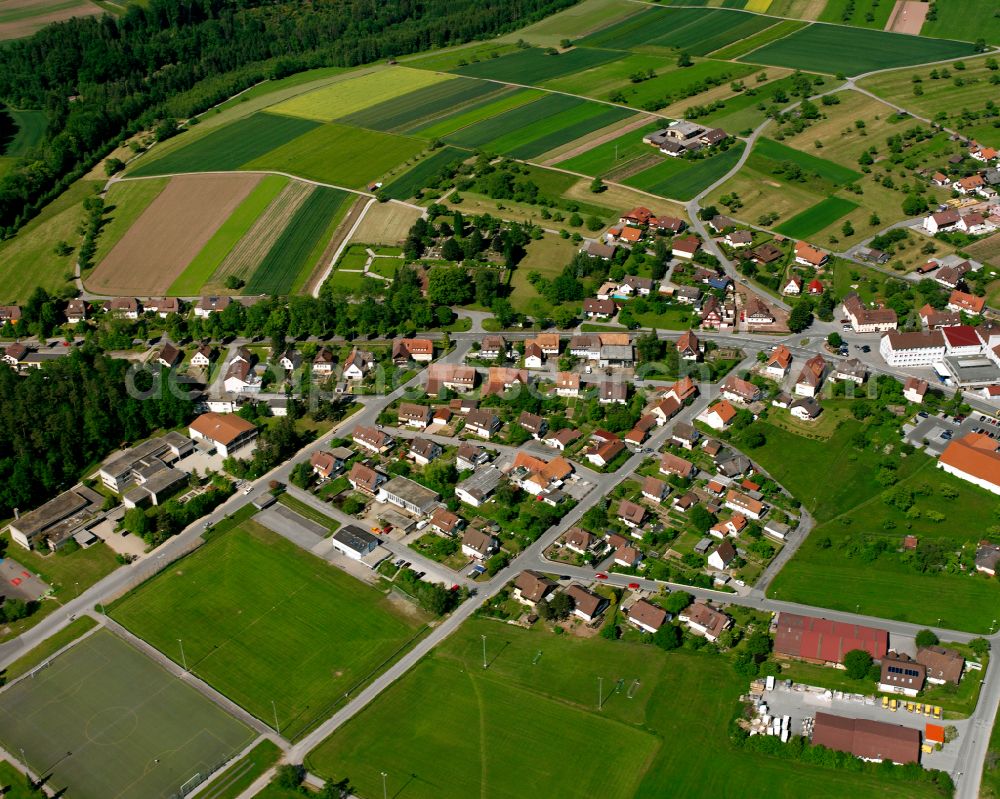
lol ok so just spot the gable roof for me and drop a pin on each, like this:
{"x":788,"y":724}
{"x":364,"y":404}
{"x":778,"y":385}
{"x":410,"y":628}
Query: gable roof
{"x":822,"y":639}
{"x":533,"y":585}
{"x":648,"y":614}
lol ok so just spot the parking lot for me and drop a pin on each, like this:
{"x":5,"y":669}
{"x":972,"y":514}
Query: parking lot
{"x":801,"y":702}
{"x":937,"y":431}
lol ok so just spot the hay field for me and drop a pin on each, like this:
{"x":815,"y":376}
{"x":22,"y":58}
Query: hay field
{"x":349,"y":96}
{"x":386,"y":223}
{"x":170,"y":233}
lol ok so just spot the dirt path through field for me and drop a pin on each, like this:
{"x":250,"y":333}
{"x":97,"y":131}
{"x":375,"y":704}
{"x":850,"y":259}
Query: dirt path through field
{"x":907,"y":17}
{"x":250,"y":250}
{"x":169,"y":234}
{"x":608,"y":134}
{"x":339,"y":235}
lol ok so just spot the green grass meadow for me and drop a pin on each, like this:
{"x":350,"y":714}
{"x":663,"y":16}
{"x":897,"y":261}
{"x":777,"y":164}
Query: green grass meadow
{"x":31,"y":127}
{"x":229,"y":147}
{"x":669,"y":86}
{"x":411,"y":181}
{"x":835,"y":48}
{"x":338,"y":154}
{"x":451,"y":728}
{"x":683,"y":179}
{"x":857,"y":12}
{"x":263,"y":620}
{"x":813,"y":220}
{"x":851,"y":505}
{"x":777,"y":152}
{"x":107,"y":721}
{"x":197,"y":273}
{"x":963,"y":19}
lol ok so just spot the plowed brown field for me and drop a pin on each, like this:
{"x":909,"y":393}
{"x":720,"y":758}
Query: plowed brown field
{"x":169,"y":234}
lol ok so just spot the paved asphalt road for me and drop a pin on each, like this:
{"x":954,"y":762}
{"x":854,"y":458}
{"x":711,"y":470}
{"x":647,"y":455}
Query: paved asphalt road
{"x":973,"y":746}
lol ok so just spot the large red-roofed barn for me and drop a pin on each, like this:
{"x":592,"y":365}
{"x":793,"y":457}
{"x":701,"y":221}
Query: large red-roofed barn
{"x":870,"y":740}
{"x":824,"y":641}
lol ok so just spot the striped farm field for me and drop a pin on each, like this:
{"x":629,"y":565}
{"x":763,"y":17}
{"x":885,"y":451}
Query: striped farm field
{"x":766,"y":36}
{"x":757,"y":6}
{"x":424,"y":105}
{"x":493,"y":128}
{"x":561,"y":129}
{"x":344,"y":98}
{"x":170,"y":233}
{"x":698,"y":31}
{"x":534,"y":65}
{"x":250,"y":250}
{"x":227,"y":148}
{"x":683,"y":179}
{"x":227,"y":237}
{"x":410,"y":182}
{"x":294,"y":254}
{"x":611,"y":155}
{"x":813,"y":220}
{"x":470,"y":115}
{"x":341,"y":155}
{"x":834,"y":48}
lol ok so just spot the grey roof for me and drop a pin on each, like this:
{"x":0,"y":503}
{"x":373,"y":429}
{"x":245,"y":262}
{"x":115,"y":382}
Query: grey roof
{"x":353,"y":537}
{"x":482,"y":482}
{"x":411,"y":491}
{"x":163,"y":480}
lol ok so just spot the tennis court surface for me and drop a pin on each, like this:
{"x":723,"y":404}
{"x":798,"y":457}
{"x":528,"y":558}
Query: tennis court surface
{"x":109,"y":723}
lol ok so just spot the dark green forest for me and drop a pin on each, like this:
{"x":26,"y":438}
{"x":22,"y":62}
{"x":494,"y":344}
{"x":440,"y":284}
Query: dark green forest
{"x":57,"y":421}
{"x":101,"y":78}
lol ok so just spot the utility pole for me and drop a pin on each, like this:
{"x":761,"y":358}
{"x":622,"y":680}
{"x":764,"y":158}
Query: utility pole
{"x":183,"y":659}
{"x":484,"y":650}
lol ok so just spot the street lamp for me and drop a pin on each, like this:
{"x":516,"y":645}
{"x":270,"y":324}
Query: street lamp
{"x":183,"y":659}
{"x":274,"y":707}
{"x":484,"y":650}
{"x":600,"y":692}
{"x":385,"y":789}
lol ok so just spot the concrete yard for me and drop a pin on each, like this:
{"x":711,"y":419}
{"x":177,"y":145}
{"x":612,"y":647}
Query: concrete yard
{"x":803,"y":701}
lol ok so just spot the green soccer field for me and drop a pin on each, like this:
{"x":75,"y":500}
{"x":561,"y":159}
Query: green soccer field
{"x":108,"y":723}
{"x":262,"y":620}
{"x":529,"y":726}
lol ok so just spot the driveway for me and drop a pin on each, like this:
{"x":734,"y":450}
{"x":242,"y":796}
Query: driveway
{"x":287,"y":523}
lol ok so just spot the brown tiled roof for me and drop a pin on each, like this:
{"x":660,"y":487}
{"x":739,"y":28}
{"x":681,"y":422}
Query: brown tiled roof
{"x":873,"y":740}
{"x":645,"y":612}
{"x":223,"y":428}
{"x":533,"y":585}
